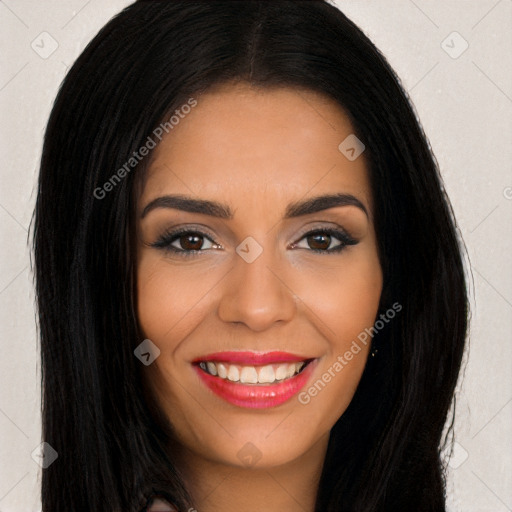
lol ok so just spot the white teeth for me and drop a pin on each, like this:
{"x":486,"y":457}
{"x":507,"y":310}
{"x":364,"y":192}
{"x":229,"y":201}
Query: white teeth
{"x":281,"y":371}
{"x":212,"y":368}
{"x":291,"y":370}
{"x":221,"y":370}
{"x":233,"y":374}
{"x":266,"y":375}
{"x":252,"y":375}
{"x":249,"y":375}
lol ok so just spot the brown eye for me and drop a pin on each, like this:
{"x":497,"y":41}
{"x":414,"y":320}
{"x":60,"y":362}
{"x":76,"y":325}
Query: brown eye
{"x":319,"y":242}
{"x":191,"y":242}
{"x":325,"y":241}
{"x":186,"y":242}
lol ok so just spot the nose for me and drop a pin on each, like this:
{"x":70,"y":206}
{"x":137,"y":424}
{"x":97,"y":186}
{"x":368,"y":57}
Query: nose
{"x":257,"y":294}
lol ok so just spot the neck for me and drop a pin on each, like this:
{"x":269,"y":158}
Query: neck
{"x":287,"y":488}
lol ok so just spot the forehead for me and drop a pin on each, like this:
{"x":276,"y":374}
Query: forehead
{"x":243,"y":144}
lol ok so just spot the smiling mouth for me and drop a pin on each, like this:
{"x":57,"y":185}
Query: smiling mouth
{"x":255,"y":375}
{"x":255,"y":380}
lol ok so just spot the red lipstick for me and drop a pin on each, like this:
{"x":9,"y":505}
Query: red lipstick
{"x":251,"y":358}
{"x":256,"y":395}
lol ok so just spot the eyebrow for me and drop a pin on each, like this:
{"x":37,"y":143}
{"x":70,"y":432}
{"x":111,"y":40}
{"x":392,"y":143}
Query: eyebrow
{"x":222,"y":211}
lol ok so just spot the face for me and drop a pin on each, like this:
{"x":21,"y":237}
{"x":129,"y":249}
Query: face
{"x":247,"y":277}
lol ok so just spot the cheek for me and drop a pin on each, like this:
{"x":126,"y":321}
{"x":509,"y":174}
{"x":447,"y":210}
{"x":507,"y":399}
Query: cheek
{"x":345,"y":297}
{"x":168,"y":299}
{"x":346,"y":304}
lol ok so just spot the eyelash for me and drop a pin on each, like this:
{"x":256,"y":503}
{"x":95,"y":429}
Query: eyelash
{"x":164,"y":242}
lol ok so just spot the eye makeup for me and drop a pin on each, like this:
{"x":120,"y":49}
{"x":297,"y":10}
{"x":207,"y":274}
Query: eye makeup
{"x":196,"y":238}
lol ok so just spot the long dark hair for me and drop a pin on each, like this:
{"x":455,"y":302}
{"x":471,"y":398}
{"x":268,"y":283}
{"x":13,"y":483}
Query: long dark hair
{"x":384,"y":452}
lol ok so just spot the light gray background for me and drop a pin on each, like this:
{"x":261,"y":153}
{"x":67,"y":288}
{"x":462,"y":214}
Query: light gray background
{"x":465,"y":105}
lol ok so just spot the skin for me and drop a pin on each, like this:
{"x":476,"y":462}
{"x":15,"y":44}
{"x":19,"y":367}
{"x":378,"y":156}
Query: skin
{"x":256,"y":151}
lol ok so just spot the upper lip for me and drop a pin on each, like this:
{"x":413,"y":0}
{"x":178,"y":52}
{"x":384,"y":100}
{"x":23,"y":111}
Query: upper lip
{"x":252,"y":358}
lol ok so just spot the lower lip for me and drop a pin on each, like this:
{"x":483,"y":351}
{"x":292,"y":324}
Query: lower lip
{"x":256,"y":396}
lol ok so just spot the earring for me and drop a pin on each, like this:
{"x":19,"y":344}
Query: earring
{"x":374,"y":351}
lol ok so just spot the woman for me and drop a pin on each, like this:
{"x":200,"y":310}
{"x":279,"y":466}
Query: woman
{"x":250,"y":285}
